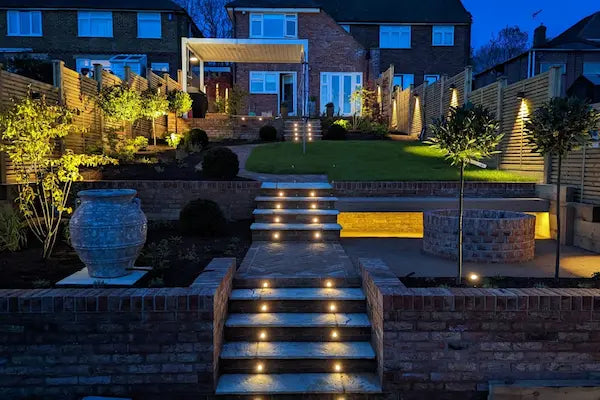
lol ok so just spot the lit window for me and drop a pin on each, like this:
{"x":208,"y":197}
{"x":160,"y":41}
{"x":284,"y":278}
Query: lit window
{"x":591,"y":68}
{"x":431,"y":78}
{"x":346,"y":28}
{"x":149,"y":25}
{"x":95,"y":23}
{"x":545,"y":66}
{"x":24,"y":23}
{"x":443,"y":35}
{"x":273,"y":25}
{"x":161,"y":67}
{"x":394,"y":37}
{"x":403,"y":81}
{"x":263,"y":82}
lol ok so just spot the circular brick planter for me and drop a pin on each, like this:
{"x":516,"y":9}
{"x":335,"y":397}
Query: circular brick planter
{"x":489,"y":236}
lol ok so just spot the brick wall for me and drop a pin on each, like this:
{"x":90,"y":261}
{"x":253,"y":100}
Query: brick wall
{"x":223,"y":126}
{"x":448,"y":343}
{"x":142,"y":343}
{"x":443,"y":189}
{"x":163,"y":200}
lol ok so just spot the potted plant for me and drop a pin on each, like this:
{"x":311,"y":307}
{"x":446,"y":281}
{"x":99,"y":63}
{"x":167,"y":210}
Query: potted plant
{"x":329,"y":110}
{"x":284,"y":109}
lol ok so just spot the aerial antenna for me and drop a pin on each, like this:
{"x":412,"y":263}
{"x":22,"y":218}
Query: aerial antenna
{"x":535,"y":14}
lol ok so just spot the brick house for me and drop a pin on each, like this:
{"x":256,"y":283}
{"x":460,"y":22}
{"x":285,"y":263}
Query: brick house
{"x":134,"y":33}
{"x":576,"y":51}
{"x":348,"y":44}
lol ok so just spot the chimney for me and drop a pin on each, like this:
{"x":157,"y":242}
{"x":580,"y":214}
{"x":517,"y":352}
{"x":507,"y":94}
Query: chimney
{"x":539,"y":36}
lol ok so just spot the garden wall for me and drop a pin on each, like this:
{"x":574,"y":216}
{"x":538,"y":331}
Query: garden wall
{"x":143,"y":343}
{"x":448,"y":343}
{"x":163,"y":200}
{"x":223,"y":126}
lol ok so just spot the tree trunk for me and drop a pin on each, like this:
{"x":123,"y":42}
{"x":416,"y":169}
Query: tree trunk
{"x":460,"y":223}
{"x":153,"y":132}
{"x":176,"y":131}
{"x":558,"y":207}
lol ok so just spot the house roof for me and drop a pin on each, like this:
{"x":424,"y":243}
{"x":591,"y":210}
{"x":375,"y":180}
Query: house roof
{"x":155,"y":5}
{"x":585,"y":34}
{"x":392,"y":11}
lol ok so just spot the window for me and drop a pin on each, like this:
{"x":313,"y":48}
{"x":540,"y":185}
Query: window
{"x":545,"y":66}
{"x":403,"y":80}
{"x":591,"y":68}
{"x":149,"y":25}
{"x":95,"y":23}
{"x":263,"y":82}
{"x":159,"y":67}
{"x":443,"y":35}
{"x":136,"y":63}
{"x":273,"y":25}
{"x":431,"y":79}
{"x":394,"y":37}
{"x":24,"y":23}
{"x":337,"y":88}
{"x":346,"y":28}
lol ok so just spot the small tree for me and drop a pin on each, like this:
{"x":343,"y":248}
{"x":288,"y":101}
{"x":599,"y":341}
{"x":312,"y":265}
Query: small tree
{"x":30,"y":131}
{"x":154,"y":105}
{"x":120,"y":103}
{"x":179,"y":102}
{"x":469,"y":133}
{"x":557,"y":127}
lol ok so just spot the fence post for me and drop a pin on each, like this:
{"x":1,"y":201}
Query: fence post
{"x":166,"y":79}
{"x":127,"y":75}
{"x":554,"y":82}
{"x":442,"y":88}
{"x":468,"y":83}
{"x":57,"y":78}
{"x":502,"y":83}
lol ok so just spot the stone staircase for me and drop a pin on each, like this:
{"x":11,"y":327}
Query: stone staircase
{"x":294,"y":129}
{"x":295,"y":212}
{"x":297,"y":342}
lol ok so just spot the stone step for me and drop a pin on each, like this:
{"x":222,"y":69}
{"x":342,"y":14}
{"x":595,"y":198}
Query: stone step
{"x":299,"y":334}
{"x":296,"y":211}
{"x":295,"y":219}
{"x":326,"y":383}
{"x":297,"y":350}
{"x":272,"y":227}
{"x":298,"y":306}
{"x":303,"y":365}
{"x":296,"y":202}
{"x":297,"y":294}
{"x":298,"y":320}
{"x":296,"y":282}
{"x":295,"y":236}
{"x":306,"y":199}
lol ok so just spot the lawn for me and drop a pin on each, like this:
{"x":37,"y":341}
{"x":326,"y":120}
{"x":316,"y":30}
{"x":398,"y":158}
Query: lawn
{"x":368,"y":161}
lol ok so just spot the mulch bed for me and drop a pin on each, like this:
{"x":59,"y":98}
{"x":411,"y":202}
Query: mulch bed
{"x":176,"y":259}
{"x":502,"y":282}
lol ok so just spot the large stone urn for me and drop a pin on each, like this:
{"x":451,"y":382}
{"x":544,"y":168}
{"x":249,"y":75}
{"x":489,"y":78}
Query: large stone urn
{"x":108,"y":231}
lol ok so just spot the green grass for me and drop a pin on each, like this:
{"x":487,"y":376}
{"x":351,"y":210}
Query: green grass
{"x":368,"y":161}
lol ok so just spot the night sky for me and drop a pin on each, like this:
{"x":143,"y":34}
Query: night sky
{"x":489,"y":16}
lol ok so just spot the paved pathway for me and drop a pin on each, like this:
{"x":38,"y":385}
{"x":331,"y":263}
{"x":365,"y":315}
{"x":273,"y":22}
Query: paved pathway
{"x":243,"y":152}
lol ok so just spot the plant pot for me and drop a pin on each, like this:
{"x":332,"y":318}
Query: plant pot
{"x":284,"y":111}
{"x":329,"y":110}
{"x":108,"y":231}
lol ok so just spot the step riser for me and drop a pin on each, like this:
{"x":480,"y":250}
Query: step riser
{"x":296,"y":219}
{"x":295,"y":236}
{"x":295,"y":306}
{"x":298,"y":334}
{"x":309,"y":396}
{"x":296,"y":204}
{"x":295,"y":192}
{"x":296,"y":283}
{"x":279,"y":366}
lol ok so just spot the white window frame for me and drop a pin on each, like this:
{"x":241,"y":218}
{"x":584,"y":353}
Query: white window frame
{"x":16,"y":30}
{"x":326,"y":94}
{"x":596,"y":64}
{"x":90,"y":16}
{"x":159,"y":66}
{"x":404,"y":85}
{"x":261,"y":76}
{"x":446,"y":31}
{"x":259,"y":17}
{"x":387,"y":31}
{"x":436,"y":76}
{"x":149,"y":17}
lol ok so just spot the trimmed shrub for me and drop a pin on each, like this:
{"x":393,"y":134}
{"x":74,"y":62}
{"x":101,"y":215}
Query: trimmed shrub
{"x":201,"y":217}
{"x":336,"y":132}
{"x":195,"y":139}
{"x":220,"y":163}
{"x":344,"y":123}
{"x":268,"y":133}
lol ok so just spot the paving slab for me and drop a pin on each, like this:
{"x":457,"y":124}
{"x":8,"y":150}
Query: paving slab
{"x":297,"y":383}
{"x":298,"y":320}
{"x":298,"y":294}
{"x":294,"y":211}
{"x":297,"y":350}
{"x":82,"y":278}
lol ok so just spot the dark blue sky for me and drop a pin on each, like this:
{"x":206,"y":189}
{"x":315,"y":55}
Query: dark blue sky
{"x":489,"y":16}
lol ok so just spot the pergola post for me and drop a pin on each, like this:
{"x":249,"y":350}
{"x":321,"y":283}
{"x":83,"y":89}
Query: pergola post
{"x":184,"y":64}
{"x":201,"y":73}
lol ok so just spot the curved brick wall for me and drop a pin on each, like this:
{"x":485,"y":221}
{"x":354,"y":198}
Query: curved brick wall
{"x":490,"y":236}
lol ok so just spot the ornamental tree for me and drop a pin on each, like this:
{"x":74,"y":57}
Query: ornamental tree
{"x":30,"y":130}
{"x":469,"y":133}
{"x":179,"y":102}
{"x":154,"y":105}
{"x":557,"y":127}
{"x":120,"y":103}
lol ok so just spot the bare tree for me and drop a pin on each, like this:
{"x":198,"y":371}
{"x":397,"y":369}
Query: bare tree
{"x":210,"y":16}
{"x":510,"y":42}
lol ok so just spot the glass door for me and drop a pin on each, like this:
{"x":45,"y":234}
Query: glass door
{"x":337,"y":88}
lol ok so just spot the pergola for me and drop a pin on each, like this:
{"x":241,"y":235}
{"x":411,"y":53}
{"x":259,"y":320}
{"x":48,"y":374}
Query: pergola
{"x":263,"y":51}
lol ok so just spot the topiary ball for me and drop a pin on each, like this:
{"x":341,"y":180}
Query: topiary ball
{"x":201,"y":217}
{"x":336,"y":132}
{"x":195,"y":138}
{"x":220,"y":163}
{"x":268,"y":133}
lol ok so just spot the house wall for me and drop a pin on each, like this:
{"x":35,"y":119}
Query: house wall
{"x":330,"y":49}
{"x":60,"y":40}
